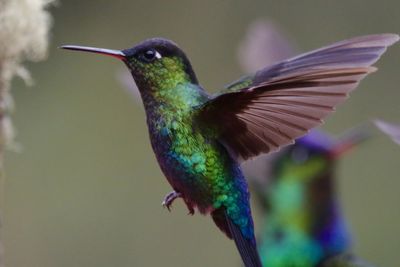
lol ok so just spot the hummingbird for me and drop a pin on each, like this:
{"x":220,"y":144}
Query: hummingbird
{"x":200,"y":139}
{"x":304,"y":225}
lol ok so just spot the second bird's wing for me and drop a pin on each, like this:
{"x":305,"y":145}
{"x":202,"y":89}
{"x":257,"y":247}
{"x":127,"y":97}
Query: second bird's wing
{"x":261,"y":113}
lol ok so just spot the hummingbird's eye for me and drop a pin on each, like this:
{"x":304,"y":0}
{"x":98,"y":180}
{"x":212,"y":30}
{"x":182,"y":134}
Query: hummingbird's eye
{"x":150,"y":55}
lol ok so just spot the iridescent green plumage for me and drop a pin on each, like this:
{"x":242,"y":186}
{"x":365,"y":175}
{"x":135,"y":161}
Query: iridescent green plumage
{"x":199,"y":139}
{"x":208,"y":174}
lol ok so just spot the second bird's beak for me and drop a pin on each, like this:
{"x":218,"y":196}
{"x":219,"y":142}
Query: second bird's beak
{"x":103,"y":51}
{"x":350,"y":140}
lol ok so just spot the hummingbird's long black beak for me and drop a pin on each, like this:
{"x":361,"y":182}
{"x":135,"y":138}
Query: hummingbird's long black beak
{"x":103,"y":51}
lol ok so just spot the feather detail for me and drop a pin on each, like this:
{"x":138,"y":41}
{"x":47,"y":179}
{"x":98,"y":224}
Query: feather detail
{"x":246,"y":247}
{"x":287,"y":99}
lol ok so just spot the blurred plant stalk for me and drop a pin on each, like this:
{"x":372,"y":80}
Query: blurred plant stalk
{"x":24,"y":26}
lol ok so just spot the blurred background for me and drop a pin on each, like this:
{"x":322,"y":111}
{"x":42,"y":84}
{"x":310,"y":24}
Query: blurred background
{"x":86,"y":189}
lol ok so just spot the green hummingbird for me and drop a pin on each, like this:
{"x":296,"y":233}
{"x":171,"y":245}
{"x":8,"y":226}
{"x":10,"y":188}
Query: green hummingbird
{"x":304,"y":225}
{"x":200,"y":139}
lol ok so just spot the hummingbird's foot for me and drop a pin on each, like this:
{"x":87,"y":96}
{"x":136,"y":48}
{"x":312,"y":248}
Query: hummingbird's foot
{"x":169,"y":199}
{"x":191,"y":210}
{"x":190,"y":207}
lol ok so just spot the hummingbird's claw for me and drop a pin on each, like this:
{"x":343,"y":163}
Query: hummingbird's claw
{"x":191,"y":210}
{"x":169,"y":199}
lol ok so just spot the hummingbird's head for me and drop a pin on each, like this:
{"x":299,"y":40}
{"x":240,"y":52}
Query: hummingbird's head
{"x":317,"y":152}
{"x":154,"y":63}
{"x":159,"y":62}
{"x":303,"y":161}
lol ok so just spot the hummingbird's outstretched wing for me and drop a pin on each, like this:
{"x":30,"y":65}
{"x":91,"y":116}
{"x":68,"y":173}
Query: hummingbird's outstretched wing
{"x":263,"y":112}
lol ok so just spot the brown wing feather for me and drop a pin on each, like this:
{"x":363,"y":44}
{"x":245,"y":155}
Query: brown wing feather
{"x":284,"y":101}
{"x":264,"y":118}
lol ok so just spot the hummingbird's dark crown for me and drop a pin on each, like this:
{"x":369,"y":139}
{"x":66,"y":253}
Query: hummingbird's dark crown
{"x":152,"y":48}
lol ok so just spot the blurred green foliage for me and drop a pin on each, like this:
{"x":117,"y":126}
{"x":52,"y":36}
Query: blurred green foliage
{"x":86,"y":190}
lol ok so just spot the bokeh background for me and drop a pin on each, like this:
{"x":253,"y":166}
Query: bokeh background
{"x":86,"y":189}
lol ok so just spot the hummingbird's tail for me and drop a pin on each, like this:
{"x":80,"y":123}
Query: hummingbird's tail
{"x":247,"y":247}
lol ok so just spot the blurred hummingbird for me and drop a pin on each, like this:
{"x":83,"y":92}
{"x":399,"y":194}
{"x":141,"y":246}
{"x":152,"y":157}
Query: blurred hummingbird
{"x":199,"y":139}
{"x":304,"y":225}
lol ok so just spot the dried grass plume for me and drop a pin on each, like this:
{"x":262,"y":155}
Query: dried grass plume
{"x":24,"y":27}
